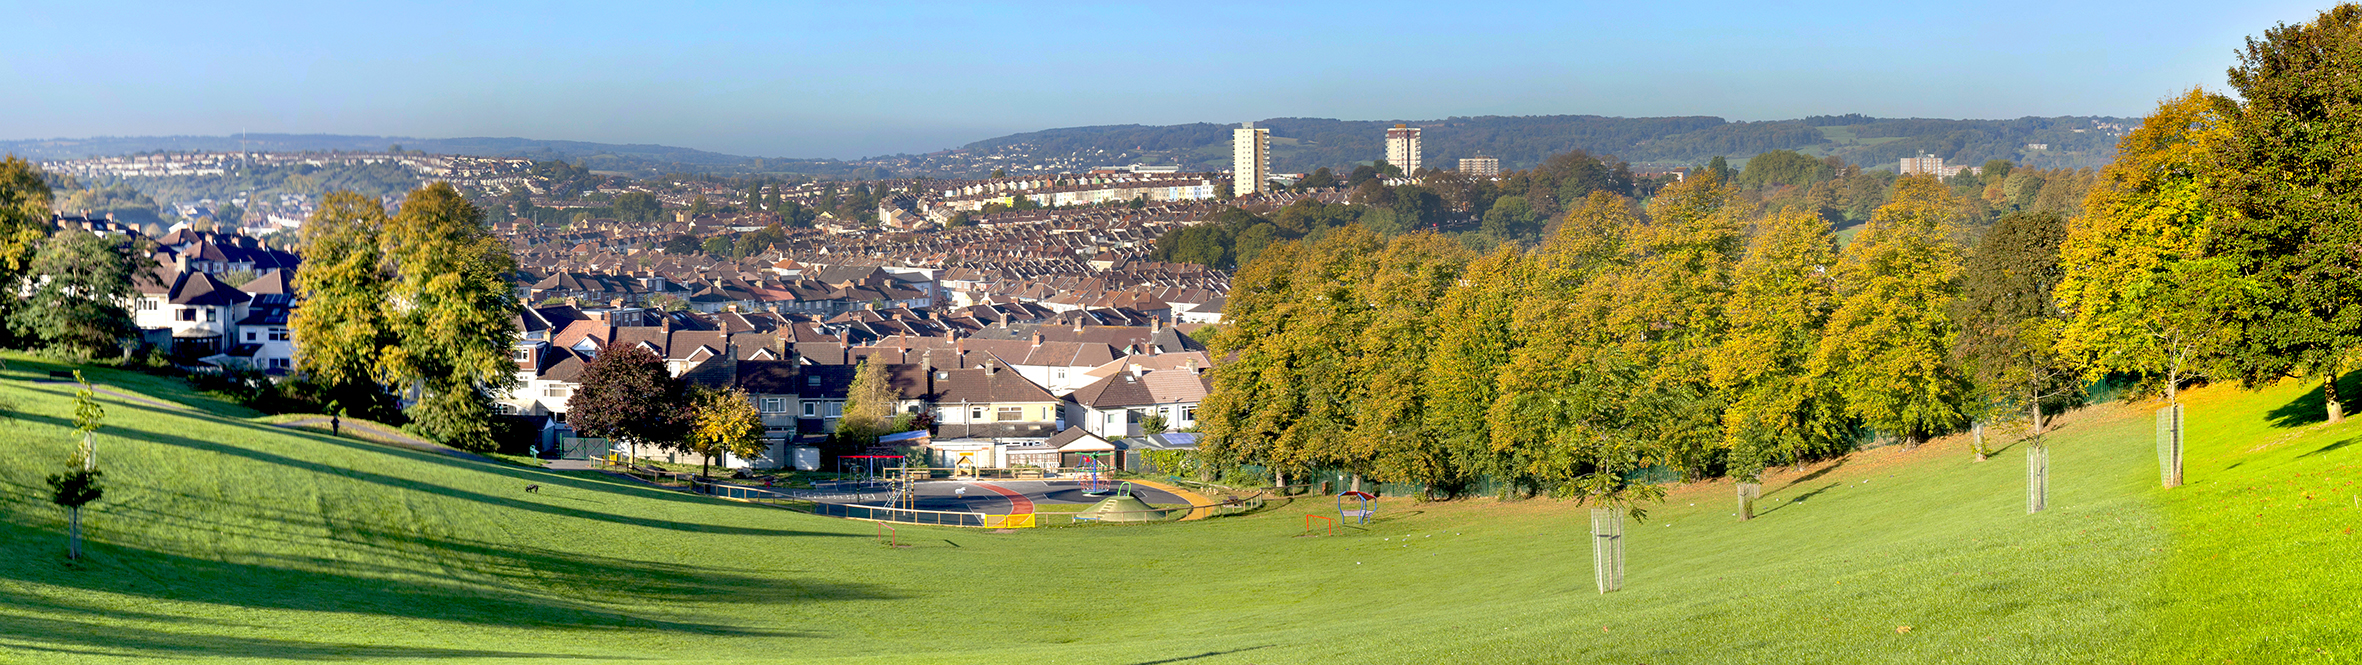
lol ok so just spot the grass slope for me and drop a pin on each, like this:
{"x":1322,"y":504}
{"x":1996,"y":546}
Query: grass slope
{"x":224,"y":536}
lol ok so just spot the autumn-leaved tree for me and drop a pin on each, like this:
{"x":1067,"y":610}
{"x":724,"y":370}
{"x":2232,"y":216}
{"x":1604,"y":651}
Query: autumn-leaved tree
{"x":1889,"y":340}
{"x":24,"y":220}
{"x":452,"y":307}
{"x":2290,"y":174}
{"x":2141,"y":292}
{"x":1664,"y":308}
{"x":725,"y":422}
{"x":1472,"y":342}
{"x":869,"y":406}
{"x":1782,"y":407}
{"x":1408,"y":280}
{"x":1570,"y":414}
{"x":340,"y":322}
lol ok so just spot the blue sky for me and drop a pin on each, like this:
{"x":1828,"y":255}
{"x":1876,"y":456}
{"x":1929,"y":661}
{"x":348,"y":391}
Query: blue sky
{"x":850,"y":79}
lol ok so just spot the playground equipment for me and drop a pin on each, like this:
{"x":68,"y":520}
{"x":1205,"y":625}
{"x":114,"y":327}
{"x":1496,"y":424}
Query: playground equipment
{"x":904,"y":486}
{"x":1363,"y":512}
{"x":965,"y":468}
{"x":1308,"y":524}
{"x":869,"y":467}
{"x":1094,"y":473}
{"x":1123,"y":507}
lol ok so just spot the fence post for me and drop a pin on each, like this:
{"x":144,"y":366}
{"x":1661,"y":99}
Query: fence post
{"x":1607,"y":548}
{"x":2169,"y":445}
{"x":2037,"y":477}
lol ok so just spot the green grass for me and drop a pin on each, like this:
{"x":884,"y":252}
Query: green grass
{"x":223,"y":536}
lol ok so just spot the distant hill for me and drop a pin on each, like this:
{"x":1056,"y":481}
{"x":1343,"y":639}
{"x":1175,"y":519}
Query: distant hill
{"x":1304,"y":144}
{"x":1298,"y":145}
{"x":647,"y":159}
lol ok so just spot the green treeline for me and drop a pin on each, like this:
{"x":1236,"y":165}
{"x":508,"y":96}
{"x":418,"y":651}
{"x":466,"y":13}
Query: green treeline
{"x":1713,"y":329}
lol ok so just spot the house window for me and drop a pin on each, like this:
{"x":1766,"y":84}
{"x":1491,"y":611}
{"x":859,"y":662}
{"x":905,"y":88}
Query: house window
{"x":836,"y":409}
{"x":211,"y":314}
{"x":279,"y":335}
{"x":1011,"y":414}
{"x":1116,"y":418}
{"x":810,"y":409}
{"x":523,"y":355}
{"x":279,"y":363}
{"x":975,"y":413}
{"x":554,"y":391}
{"x":1188,"y":414}
{"x":147,"y":304}
{"x":774,"y":405}
{"x":250,"y":337}
{"x":187,"y":314}
{"x":1060,"y":374}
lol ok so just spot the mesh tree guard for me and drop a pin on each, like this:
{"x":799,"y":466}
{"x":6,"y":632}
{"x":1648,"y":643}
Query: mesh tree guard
{"x":2037,"y":477}
{"x":2169,"y":445}
{"x":1607,"y":548}
{"x":1748,"y":493}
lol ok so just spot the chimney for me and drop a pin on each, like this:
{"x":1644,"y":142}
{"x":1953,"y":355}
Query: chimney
{"x":992,"y":369}
{"x":1137,"y":369}
{"x":1190,"y":365}
{"x":1037,"y":338}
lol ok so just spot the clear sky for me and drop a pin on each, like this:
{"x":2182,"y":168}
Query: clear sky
{"x":851,"y":79}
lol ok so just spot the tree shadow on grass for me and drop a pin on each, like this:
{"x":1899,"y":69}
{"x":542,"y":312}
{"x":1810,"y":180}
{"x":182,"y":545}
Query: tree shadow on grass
{"x":62,"y":638}
{"x":2330,"y":447}
{"x":2311,"y":407}
{"x":1799,"y":499}
{"x":524,"y":475}
{"x":393,"y":574}
{"x":1816,"y":474}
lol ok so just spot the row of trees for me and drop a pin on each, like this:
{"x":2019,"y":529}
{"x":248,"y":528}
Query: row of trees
{"x":1629,"y":338}
{"x":1711,"y":334}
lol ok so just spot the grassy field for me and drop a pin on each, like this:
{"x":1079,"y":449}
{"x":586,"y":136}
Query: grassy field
{"x":223,"y":536}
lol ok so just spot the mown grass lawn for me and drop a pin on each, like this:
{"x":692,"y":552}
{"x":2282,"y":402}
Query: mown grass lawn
{"x":225,"y":536}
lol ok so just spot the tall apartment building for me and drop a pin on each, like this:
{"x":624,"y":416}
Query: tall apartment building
{"x":1924,"y":163}
{"x":1402,"y":148}
{"x":1483,"y":167}
{"x":1250,"y":159}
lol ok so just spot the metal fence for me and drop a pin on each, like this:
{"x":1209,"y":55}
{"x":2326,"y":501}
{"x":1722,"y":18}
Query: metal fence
{"x":903,"y":515}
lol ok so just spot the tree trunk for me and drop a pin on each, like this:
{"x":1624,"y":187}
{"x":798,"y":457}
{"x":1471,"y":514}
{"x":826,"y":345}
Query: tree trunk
{"x":1357,"y":482}
{"x":1976,"y":440}
{"x":1278,"y":478}
{"x":74,"y":533}
{"x":1911,"y":441}
{"x":2337,"y":412}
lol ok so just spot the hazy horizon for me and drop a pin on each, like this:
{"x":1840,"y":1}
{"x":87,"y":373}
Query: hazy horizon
{"x":835,"y":81}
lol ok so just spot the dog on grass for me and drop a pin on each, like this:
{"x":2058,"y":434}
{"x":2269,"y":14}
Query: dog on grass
{"x":533,"y":489}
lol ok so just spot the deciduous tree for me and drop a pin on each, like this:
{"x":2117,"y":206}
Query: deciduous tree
{"x":627,"y":394}
{"x":2289,"y":173}
{"x":2141,"y":291}
{"x":1782,"y":407}
{"x":2009,"y":319}
{"x":1889,"y":341}
{"x":453,"y":310}
{"x":725,"y":423}
{"x":79,"y":306}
